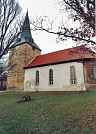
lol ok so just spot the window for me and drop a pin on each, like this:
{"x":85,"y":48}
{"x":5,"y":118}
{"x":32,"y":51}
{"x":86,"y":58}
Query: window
{"x":50,"y":76}
{"x":37,"y":78}
{"x":33,"y":48}
{"x":94,"y":71}
{"x":72,"y":75}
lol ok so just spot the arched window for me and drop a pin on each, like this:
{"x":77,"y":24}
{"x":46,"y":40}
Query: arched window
{"x":72,"y":75}
{"x":50,"y":76}
{"x":37,"y":78}
{"x":94,"y":71}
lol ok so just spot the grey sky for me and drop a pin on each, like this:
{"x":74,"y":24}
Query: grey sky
{"x":47,"y":42}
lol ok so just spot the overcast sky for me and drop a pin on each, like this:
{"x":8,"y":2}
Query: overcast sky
{"x":46,"y":41}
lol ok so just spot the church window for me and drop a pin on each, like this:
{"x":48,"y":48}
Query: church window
{"x":50,"y":77}
{"x":72,"y":75}
{"x":37,"y":78}
{"x":94,"y":71}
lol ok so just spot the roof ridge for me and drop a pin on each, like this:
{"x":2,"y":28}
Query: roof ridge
{"x":63,"y":50}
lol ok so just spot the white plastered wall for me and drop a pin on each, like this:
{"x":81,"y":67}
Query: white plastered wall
{"x":61,"y":78}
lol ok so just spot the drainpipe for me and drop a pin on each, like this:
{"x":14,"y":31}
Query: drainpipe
{"x":84,"y":73}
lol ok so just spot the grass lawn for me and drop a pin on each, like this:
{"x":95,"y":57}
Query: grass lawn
{"x":48,"y":113}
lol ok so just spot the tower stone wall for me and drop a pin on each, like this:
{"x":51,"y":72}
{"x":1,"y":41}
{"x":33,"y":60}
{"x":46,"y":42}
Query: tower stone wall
{"x":19,"y":56}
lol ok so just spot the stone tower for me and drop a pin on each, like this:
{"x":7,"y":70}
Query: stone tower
{"x":21,"y":53}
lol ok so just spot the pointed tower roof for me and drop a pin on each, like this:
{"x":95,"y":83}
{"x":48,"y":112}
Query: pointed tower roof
{"x":26,"y":36}
{"x":26,"y":32}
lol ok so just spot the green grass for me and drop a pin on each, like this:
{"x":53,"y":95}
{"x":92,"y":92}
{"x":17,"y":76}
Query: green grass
{"x":48,"y":113}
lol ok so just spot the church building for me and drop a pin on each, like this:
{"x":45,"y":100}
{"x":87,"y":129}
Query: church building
{"x":72,"y":69}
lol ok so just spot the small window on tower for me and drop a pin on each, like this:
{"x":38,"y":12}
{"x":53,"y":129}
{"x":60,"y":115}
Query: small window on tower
{"x":33,"y":48}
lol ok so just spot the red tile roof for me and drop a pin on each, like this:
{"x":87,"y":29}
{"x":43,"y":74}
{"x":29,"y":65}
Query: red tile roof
{"x":66,"y":55}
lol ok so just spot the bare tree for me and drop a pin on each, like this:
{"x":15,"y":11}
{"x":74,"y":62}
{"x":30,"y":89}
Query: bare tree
{"x":82,"y":11}
{"x":3,"y":72}
{"x":9,"y":29}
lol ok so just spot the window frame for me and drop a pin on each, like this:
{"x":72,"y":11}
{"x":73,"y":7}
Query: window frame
{"x":50,"y":76}
{"x":33,"y":48}
{"x":73,"y":79}
{"x":37,"y":78}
